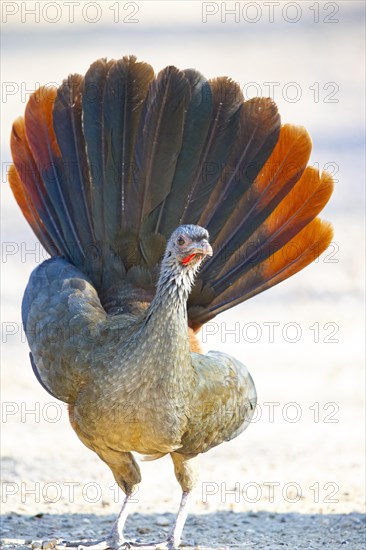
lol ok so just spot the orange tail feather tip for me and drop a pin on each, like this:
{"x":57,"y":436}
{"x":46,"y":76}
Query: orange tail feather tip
{"x":302,"y":250}
{"x":39,"y":125}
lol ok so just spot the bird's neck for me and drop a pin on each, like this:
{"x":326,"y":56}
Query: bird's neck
{"x":173,"y":288}
{"x":165,"y":329}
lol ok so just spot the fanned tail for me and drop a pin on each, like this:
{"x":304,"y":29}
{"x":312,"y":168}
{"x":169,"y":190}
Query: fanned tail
{"x":108,"y":165}
{"x":272,"y":233}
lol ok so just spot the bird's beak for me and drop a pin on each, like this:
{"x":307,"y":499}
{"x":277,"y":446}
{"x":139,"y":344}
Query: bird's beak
{"x":206,"y":248}
{"x":197,"y":252}
{"x":203,"y":247}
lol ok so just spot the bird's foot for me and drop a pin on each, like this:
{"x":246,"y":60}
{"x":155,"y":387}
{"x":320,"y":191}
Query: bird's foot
{"x":110,"y":543}
{"x":90,"y":545}
{"x":113,"y":543}
{"x":168,"y":544}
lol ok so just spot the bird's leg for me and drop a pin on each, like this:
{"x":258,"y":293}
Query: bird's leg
{"x":186,"y":470}
{"x":115,"y":537}
{"x":186,"y":473}
{"x":175,"y":534}
{"x":127,"y":475}
{"x":114,"y":540}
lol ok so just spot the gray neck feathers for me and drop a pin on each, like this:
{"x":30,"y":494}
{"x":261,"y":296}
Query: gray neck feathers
{"x":173,"y":288}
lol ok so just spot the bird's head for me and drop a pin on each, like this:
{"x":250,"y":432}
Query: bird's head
{"x":188,"y":247}
{"x":185,"y":251}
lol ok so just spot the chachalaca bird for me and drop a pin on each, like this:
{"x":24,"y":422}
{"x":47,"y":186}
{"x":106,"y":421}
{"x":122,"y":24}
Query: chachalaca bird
{"x":118,"y":172}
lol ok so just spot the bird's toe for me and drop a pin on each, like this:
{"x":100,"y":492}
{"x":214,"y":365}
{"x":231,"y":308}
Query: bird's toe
{"x":169,"y":544}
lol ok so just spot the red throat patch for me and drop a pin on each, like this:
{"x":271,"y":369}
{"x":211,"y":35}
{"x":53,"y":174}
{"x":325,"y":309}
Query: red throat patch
{"x":187,"y":259}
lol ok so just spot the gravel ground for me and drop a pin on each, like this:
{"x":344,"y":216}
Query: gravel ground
{"x":227,"y":530}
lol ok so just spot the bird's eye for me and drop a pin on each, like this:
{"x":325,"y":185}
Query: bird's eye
{"x":180,"y":241}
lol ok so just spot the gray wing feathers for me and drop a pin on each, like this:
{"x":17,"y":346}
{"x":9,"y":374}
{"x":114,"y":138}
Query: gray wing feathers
{"x":61,"y":314}
{"x":223,"y":403}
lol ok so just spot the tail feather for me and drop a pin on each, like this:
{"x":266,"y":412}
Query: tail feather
{"x":258,"y":134}
{"x":94,"y":89}
{"x":302,"y":204}
{"x":278,"y":175}
{"x":29,"y":211}
{"x":127,"y":84}
{"x":296,"y":254}
{"x":112,"y":100}
{"x":158,"y":142}
{"x":227,"y":101}
{"x":48,"y":158}
{"x":29,"y":188}
{"x":308,"y":245}
{"x":197,"y":122}
{"x":210,"y":129}
{"x":119,"y":158}
{"x":67,"y":123}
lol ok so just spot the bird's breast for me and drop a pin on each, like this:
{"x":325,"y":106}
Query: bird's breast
{"x":139,"y":401}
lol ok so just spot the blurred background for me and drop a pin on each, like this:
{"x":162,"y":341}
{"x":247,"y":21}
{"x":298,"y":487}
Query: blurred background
{"x":303,"y":341}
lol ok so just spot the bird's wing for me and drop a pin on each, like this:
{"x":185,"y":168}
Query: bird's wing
{"x":222,"y":403}
{"x":67,"y":328}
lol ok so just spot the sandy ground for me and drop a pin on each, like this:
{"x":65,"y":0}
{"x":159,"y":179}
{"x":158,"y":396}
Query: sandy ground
{"x":295,"y":479}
